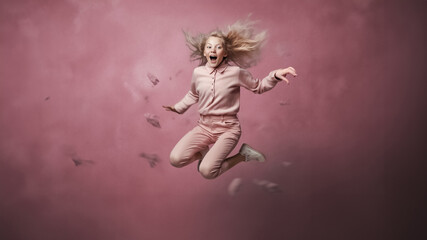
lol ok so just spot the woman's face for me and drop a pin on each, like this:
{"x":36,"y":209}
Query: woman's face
{"x":214,"y":51}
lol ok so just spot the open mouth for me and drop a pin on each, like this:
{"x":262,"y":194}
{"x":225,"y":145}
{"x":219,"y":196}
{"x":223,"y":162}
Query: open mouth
{"x":213,"y":58}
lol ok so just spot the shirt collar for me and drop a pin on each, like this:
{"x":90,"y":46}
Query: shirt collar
{"x":221,"y":68}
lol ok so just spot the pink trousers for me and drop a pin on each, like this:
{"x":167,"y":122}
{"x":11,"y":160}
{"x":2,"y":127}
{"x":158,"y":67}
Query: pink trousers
{"x":221,"y":131}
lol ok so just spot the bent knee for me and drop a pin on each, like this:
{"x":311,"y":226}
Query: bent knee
{"x":208,"y":173}
{"x":177,"y":160}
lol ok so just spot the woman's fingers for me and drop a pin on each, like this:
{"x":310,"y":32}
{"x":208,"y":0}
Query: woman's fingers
{"x":167,"y":108}
{"x":283,"y":72}
{"x":292,"y":71}
{"x":170,"y":108}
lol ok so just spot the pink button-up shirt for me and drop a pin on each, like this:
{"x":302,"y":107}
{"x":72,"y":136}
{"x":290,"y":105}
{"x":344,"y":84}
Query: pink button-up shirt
{"x":218,"y":90}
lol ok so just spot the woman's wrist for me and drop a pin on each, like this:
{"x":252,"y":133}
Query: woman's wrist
{"x":278,"y":79}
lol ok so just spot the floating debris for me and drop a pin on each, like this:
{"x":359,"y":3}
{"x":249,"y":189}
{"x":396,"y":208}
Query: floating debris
{"x":70,"y":152}
{"x":152,"y":119}
{"x":152,"y":159}
{"x":267,"y":185}
{"x":284,"y":103}
{"x":286,"y":164}
{"x":178,"y":73}
{"x":78,"y":161}
{"x":234,"y":186}
{"x":153,"y":79}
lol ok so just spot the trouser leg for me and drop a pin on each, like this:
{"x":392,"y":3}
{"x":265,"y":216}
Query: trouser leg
{"x":216,"y":162}
{"x":186,"y":149}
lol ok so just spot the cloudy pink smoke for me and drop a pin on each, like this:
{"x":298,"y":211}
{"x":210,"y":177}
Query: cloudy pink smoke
{"x":85,"y":141}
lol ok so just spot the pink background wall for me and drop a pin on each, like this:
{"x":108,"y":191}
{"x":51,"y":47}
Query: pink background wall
{"x":73,"y":83}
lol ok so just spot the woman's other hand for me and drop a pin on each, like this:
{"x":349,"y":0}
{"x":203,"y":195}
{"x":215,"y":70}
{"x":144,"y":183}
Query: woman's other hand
{"x":281,"y":73}
{"x":170,"y":108}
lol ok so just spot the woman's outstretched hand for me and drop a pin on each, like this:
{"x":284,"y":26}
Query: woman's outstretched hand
{"x":281,"y":73}
{"x":170,"y":108}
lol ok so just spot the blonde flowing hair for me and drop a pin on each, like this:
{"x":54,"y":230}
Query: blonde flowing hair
{"x":242,"y":45}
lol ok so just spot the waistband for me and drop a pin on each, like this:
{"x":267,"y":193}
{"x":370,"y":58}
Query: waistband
{"x":218,"y":117}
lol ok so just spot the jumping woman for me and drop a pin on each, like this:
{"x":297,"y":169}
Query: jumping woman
{"x":215,"y":85}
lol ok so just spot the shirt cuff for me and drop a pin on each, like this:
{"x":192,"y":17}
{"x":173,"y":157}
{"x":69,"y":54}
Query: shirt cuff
{"x":179,"y":108}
